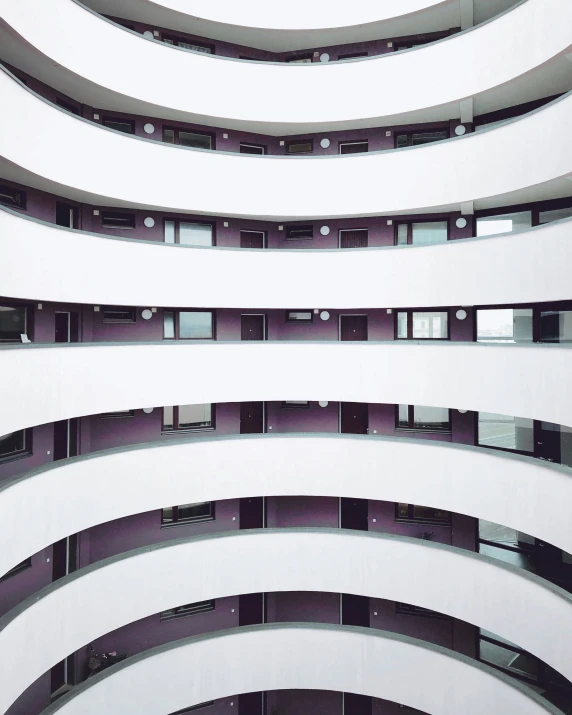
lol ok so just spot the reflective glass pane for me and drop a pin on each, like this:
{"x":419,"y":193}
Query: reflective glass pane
{"x":403,"y":511}
{"x":555,"y":326}
{"x":169,"y":134}
{"x":505,"y":431}
{"x":195,"y":326}
{"x":430,"y":417}
{"x":429,"y":233}
{"x":12,"y":443}
{"x":504,"y":223}
{"x":194,"y":416}
{"x":167,"y":515}
{"x":12,"y":322}
{"x":402,"y":234}
{"x":169,"y":232}
{"x":195,"y":234}
{"x":428,"y":137}
{"x":169,"y":324}
{"x":198,"y":141}
{"x":403,"y":416}
{"x":402,"y":325}
{"x":167,"y":418}
{"x":555,"y":215}
{"x":504,"y":325}
{"x":503,"y":657}
{"x":427,"y":513}
{"x":200,"y":510}
{"x":430,"y":325}
{"x":402,"y":140}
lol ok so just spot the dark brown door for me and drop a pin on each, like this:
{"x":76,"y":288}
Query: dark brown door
{"x":250,"y":609}
{"x":252,"y":327}
{"x":66,"y":327}
{"x":251,"y":510}
{"x":353,"y":327}
{"x":353,"y":239}
{"x":354,"y":418}
{"x":251,"y":417}
{"x":353,"y":514}
{"x":355,"y":610}
{"x":251,"y":239}
{"x":547,"y":441}
{"x":66,"y":437}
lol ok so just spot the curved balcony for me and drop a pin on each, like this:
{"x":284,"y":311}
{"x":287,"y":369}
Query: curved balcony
{"x":295,"y":25}
{"x":56,"y":382}
{"x":61,"y":45}
{"x":300,"y":656}
{"x":40,"y":259}
{"x":520,"y":492}
{"x":70,"y":613}
{"x":154,"y":175}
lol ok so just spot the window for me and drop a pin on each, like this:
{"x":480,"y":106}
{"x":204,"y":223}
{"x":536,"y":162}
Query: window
{"x":13,"y":323}
{"x":68,"y":106}
{"x":22,"y":566}
{"x":188,"y":325}
{"x":188,"y":45}
{"x":185,"y":137}
{"x":505,"y":432}
{"x":296,"y":404}
{"x":406,"y":609}
{"x":425,"y":233}
{"x":356,"y":147}
{"x":554,"y":215}
{"x":115,"y":219}
{"x":422,"y":325}
{"x":295,"y":233}
{"x":119,"y":315}
{"x":504,"y":223}
{"x":189,"y":609}
{"x":417,"y":138}
{"x":189,"y":234}
{"x":507,"y":656}
{"x":252,"y":149}
{"x":14,"y":198}
{"x":353,"y":238}
{"x":555,"y":326}
{"x":422,"y":514}
{"x":425,"y":419}
{"x":119,"y":414}
{"x":188,"y":513}
{"x":504,"y":325}
{"x":189,"y":418}
{"x":299,"y":147}
{"x":299,"y":59}
{"x":299,"y":316}
{"x":352,"y":55}
{"x":192,"y":709}
{"x":120,"y":125}
{"x":14,"y":445}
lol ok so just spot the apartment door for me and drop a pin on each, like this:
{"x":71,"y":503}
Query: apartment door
{"x":252,"y":239}
{"x":547,"y":441}
{"x":354,"y":610}
{"x":251,"y":511}
{"x":67,"y":215}
{"x":66,"y":439}
{"x":250,"y":609}
{"x":251,"y":417}
{"x":354,"y":239}
{"x":353,"y":514}
{"x":355,"y":704}
{"x":354,"y":417}
{"x":353,"y":327}
{"x":66,"y":326}
{"x":253,"y":327}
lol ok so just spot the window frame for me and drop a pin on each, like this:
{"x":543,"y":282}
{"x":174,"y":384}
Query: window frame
{"x":176,"y":521}
{"x":27,"y":322}
{"x":174,"y":40}
{"x":300,"y":227}
{"x":295,"y":405}
{"x":26,"y":451}
{"x":118,"y":321}
{"x":411,"y":422}
{"x":176,"y":141}
{"x":105,"y":216}
{"x":177,"y":226}
{"x":531,"y":453}
{"x":250,"y":145}
{"x":410,"y":132}
{"x":411,"y":519}
{"x":294,"y":142}
{"x":198,"y":608}
{"x":352,"y":55}
{"x":298,"y":321}
{"x":409,"y":224}
{"x":117,"y":415}
{"x":177,"y":323}
{"x":409,"y":312}
{"x":353,"y":142}
{"x":175,"y":429}
{"x":118,"y":120}
{"x":408,"y":609}
{"x":22,"y":197}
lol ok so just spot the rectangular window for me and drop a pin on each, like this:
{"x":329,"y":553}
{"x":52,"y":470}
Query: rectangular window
{"x":184,"y":137}
{"x":68,"y":106}
{"x":357,"y":147}
{"x":188,"y":233}
{"x":14,"y":445}
{"x":423,"y":419}
{"x":554,"y":215}
{"x":189,"y":418}
{"x":299,"y":147}
{"x":22,"y":566}
{"x":119,"y":315}
{"x":422,"y":325}
{"x":115,"y":219}
{"x":120,"y":414}
{"x":299,"y":59}
{"x":120,"y":125}
{"x":13,"y":323}
{"x":421,"y":514}
{"x":406,"y":609}
{"x":189,"y":609}
{"x":505,"y":432}
{"x":14,"y":198}
{"x":352,"y":55}
{"x":555,"y":326}
{"x":188,"y":45}
{"x":188,"y":513}
{"x":296,"y":233}
{"x":504,"y":223}
{"x":252,"y":148}
{"x":507,"y":656}
{"x":422,"y":233}
{"x":417,"y":138}
{"x":299,"y":316}
{"x":504,"y":325}
{"x":188,"y":325}
{"x":296,"y":404}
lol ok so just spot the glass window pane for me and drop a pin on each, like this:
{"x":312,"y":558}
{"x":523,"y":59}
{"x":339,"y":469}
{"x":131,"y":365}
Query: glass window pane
{"x":402,"y":511}
{"x":194,"y":416}
{"x":402,"y":234}
{"x":518,"y":663}
{"x":504,"y":223}
{"x":430,"y":325}
{"x":429,"y":232}
{"x":167,"y":515}
{"x":427,"y":513}
{"x":555,"y":326}
{"x":169,"y":134}
{"x":555,"y":215}
{"x":169,"y":232}
{"x":301,"y":316}
{"x":12,"y":443}
{"x":168,"y":418}
{"x":12,"y":322}
{"x":198,"y":141}
{"x":430,"y":417}
{"x":403,"y":416}
{"x":194,"y":325}
{"x":402,"y":325}
{"x":505,"y":432}
{"x":195,"y":234}
{"x":168,"y":324}
{"x":504,"y":325}
{"x":200,"y":510}
{"x":418,"y":138}
{"x":402,"y":140}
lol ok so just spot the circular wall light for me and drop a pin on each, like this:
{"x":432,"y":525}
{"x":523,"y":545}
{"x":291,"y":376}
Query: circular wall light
{"x":149,"y":221}
{"x":324,"y":57}
{"x":324,"y":143}
{"x":325,"y":230}
{"x":462,"y":412}
{"x":322,"y":403}
{"x":146,"y":314}
{"x":324,"y":315}
{"x":461,"y":222}
{"x":148,"y":35}
{"x":147,"y":410}
{"x":460,"y":130}
{"x":461,"y":314}
{"x":148,"y":128}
